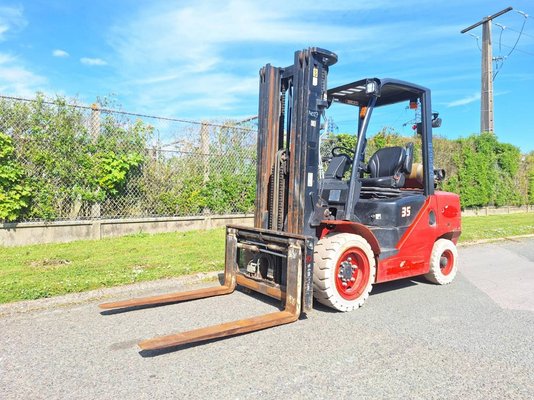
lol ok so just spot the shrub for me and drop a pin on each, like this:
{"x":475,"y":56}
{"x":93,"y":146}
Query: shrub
{"x":14,"y":190}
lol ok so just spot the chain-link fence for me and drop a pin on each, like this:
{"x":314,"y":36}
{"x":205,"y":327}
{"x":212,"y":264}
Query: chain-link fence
{"x":65,"y":161}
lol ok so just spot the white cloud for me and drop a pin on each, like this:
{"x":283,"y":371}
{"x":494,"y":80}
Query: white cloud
{"x":201,"y":58}
{"x":11,"y":18}
{"x":466,"y":100}
{"x":191,"y":57}
{"x":16,"y":79}
{"x":93,"y":61}
{"x":60,"y":53}
{"x":194,"y":34}
{"x":6,"y":58}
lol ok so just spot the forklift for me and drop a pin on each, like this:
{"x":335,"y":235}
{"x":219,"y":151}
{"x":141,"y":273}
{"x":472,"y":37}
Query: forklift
{"x":329,"y":236}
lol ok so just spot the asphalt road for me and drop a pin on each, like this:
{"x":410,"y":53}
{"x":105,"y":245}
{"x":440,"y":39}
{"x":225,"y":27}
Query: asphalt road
{"x":473,"y":339}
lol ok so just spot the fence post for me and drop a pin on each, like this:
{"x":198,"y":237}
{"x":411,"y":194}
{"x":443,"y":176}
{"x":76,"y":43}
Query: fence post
{"x":94,"y":128}
{"x":96,"y":230}
{"x":205,"y":149}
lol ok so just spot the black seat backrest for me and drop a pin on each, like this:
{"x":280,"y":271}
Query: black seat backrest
{"x":386,"y":161}
{"x":388,"y":166}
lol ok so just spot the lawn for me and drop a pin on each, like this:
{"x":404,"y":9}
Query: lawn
{"x":496,"y":226}
{"x":37,"y":271}
{"x":33,"y":272}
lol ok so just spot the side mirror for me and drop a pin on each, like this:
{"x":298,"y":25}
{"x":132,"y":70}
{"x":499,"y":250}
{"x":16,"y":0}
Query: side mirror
{"x":436,"y":123}
{"x":436,"y":120}
{"x":439,"y":174}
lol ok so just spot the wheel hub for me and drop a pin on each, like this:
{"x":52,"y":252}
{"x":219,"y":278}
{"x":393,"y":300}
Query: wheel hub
{"x":346,"y":272}
{"x":446,"y":262}
{"x":352,"y":273}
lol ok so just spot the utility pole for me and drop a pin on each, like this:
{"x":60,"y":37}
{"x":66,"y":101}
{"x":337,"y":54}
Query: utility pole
{"x":486,"y":92}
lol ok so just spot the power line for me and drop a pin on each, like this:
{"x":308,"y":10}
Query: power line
{"x":476,"y":37}
{"x":520,"y":50}
{"x":499,"y":61}
{"x":520,"y":33}
{"x":500,"y":34}
{"x":516,"y":31}
{"x":518,"y":36}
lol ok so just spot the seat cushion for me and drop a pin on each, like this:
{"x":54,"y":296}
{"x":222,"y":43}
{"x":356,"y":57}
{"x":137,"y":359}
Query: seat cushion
{"x":384,"y":181}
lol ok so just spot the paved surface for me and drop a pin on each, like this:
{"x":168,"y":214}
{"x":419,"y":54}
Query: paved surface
{"x":473,"y":339}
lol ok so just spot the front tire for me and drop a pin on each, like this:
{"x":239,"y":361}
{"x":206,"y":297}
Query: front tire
{"x":344,"y":271}
{"x":443,"y":265}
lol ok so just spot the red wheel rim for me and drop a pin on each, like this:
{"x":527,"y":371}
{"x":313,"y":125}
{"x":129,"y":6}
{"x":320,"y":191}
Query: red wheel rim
{"x":352,"y":273}
{"x":446,"y":262}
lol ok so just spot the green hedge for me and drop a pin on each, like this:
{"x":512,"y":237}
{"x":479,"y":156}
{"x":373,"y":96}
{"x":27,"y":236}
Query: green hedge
{"x":52,"y":165}
{"x":482,"y":170}
{"x":66,"y":164}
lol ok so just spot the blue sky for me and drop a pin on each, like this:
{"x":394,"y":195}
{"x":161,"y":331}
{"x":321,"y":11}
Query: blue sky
{"x":200,"y":59}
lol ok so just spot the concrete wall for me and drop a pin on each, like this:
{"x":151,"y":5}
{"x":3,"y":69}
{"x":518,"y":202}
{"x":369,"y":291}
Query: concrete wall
{"x":20,"y":234}
{"x":471,"y":212}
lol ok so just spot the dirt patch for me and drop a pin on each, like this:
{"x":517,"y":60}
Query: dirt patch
{"x":49,"y":263}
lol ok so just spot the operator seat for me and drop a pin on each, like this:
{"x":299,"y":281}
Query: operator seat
{"x":388,"y":166}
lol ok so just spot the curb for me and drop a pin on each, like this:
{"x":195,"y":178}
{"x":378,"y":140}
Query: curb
{"x":132,"y":290}
{"x":501,"y":239}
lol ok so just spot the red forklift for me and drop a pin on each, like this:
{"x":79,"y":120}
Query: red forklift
{"x":334,"y":236}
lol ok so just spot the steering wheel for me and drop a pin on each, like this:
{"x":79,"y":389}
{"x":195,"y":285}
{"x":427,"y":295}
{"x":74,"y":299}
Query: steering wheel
{"x":343,"y":151}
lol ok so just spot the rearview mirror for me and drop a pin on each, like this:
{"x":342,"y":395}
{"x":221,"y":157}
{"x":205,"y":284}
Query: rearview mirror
{"x":436,"y":121}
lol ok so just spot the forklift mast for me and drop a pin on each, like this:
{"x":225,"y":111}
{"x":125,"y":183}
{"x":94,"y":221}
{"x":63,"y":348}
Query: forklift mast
{"x":275,"y":258}
{"x":292,"y":101}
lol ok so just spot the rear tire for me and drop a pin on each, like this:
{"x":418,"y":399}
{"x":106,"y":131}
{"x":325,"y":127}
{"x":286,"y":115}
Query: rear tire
{"x":344,"y":271}
{"x":443,"y":262}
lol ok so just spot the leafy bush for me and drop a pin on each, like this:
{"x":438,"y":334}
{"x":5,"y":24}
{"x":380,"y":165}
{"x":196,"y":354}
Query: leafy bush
{"x":530,"y":176}
{"x":217,"y":178}
{"x":69,"y":163}
{"x":54,"y":164}
{"x":487,"y":172}
{"x":482,"y":170}
{"x":14,"y":191}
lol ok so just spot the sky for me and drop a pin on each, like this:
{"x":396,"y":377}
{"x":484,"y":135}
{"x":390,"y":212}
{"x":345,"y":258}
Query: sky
{"x":200,"y":59}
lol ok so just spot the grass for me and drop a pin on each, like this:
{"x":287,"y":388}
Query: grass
{"x":32,"y":272}
{"x":38,"y":271}
{"x":496,"y":226}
